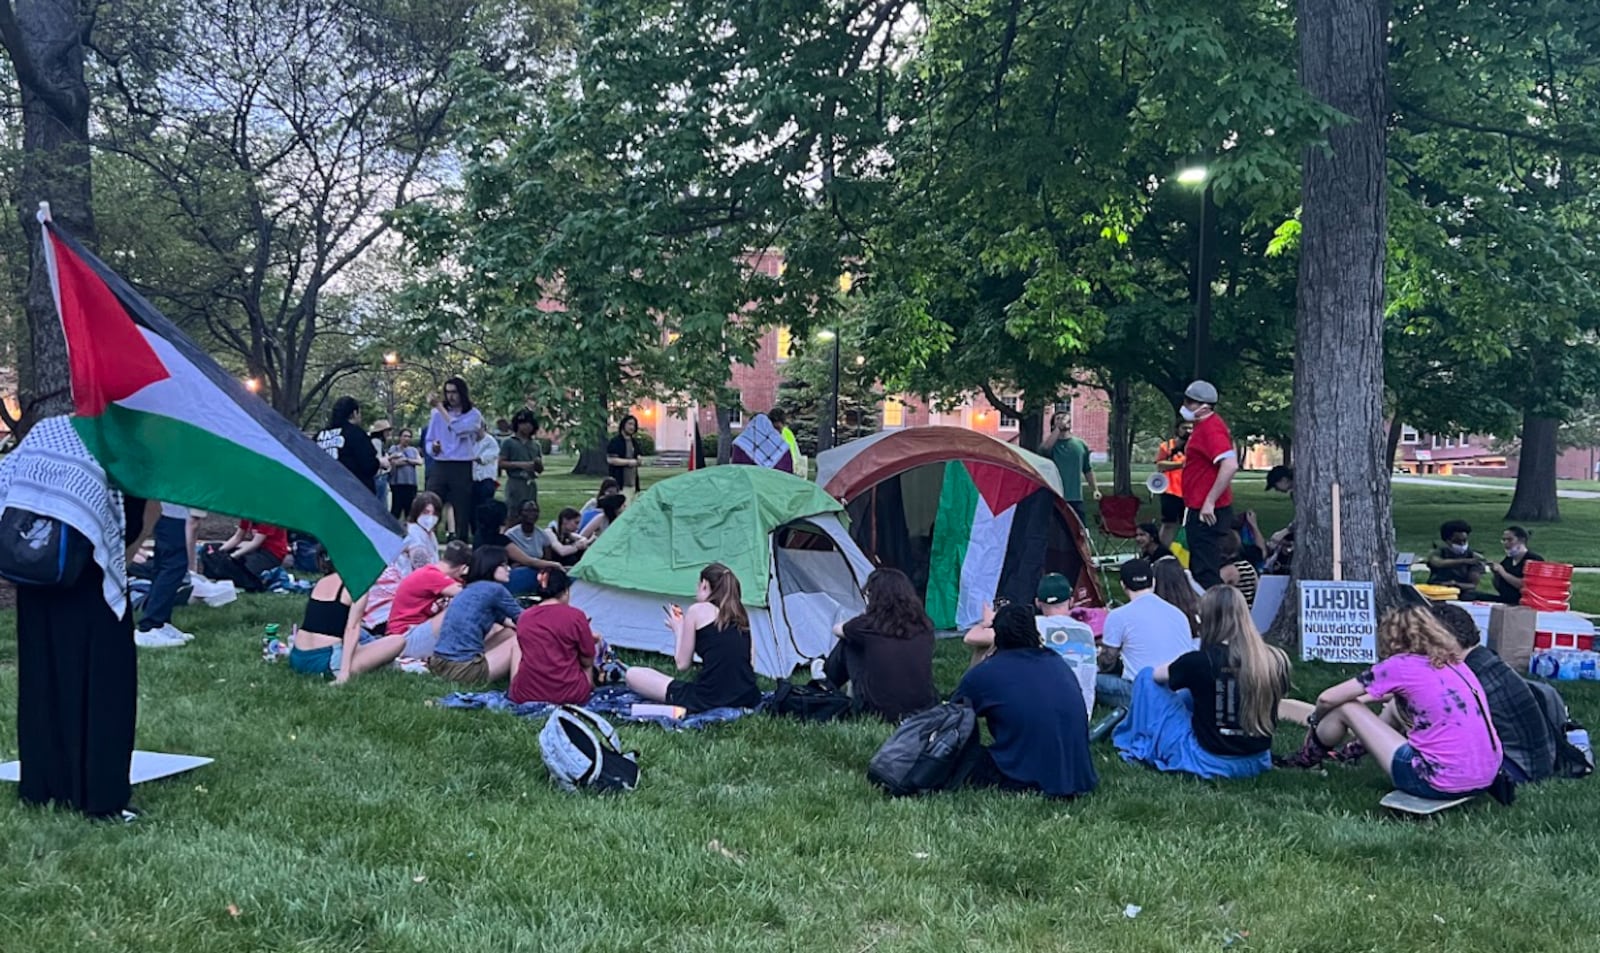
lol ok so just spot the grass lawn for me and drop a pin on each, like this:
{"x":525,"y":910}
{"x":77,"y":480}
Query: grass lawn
{"x":362,"y":818}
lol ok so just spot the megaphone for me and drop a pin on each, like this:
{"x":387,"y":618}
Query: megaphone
{"x":1158,"y":483}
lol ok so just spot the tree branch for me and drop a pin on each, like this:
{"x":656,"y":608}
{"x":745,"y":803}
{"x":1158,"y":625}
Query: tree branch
{"x":27,"y":70}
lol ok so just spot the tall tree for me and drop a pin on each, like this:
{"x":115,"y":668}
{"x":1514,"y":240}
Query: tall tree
{"x":1338,"y":372}
{"x":44,"y":40}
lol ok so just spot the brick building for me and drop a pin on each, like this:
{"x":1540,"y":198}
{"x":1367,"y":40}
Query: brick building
{"x":1463,"y":454}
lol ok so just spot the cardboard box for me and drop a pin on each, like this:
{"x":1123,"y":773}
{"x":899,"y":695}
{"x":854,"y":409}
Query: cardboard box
{"x":1511,"y":631}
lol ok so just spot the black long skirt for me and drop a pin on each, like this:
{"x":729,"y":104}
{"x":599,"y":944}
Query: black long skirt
{"x":77,"y":694}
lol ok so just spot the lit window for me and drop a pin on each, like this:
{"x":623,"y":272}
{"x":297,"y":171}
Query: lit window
{"x":894,"y":413}
{"x":1008,"y":413}
{"x":785,"y":343}
{"x":672,"y":337}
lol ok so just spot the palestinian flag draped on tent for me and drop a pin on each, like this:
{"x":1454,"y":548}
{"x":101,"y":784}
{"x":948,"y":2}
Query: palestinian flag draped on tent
{"x":169,"y":424}
{"x":992,"y":524}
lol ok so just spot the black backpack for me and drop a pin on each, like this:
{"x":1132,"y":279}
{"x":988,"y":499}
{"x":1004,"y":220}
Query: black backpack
{"x":1571,"y":761}
{"x":812,"y":702}
{"x":40,"y":550}
{"x":933,"y":750}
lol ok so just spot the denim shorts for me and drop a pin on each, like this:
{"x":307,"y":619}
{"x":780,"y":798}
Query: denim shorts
{"x":1405,"y":777}
{"x":323,"y":661}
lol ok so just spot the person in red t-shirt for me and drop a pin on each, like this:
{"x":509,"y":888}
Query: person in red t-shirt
{"x":421,"y":598}
{"x":553,"y":659}
{"x":1208,"y":467}
{"x":258,"y":547}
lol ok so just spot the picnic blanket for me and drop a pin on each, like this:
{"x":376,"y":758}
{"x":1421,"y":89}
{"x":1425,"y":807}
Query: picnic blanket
{"x":760,"y":443}
{"x":614,"y":701}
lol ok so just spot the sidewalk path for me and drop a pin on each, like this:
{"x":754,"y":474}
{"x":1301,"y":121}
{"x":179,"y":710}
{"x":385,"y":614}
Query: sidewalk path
{"x":1457,"y":484}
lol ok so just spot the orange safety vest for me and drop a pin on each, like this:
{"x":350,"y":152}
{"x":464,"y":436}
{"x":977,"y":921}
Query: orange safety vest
{"x":1169,"y":451}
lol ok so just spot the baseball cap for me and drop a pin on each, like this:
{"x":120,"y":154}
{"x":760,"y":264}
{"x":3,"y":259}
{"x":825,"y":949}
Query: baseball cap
{"x":1203,"y":391}
{"x":1054,"y":589}
{"x":1137,"y":574}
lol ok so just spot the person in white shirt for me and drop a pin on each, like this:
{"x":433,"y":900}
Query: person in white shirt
{"x":485,"y":467}
{"x":1148,"y":632}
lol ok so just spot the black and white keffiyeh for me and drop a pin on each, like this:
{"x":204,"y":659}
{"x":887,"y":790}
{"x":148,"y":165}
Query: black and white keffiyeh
{"x":53,"y":474}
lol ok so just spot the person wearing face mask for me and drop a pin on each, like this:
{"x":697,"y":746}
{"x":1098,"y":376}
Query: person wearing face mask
{"x":1453,"y":562}
{"x":1209,"y":464}
{"x":1508,"y":571}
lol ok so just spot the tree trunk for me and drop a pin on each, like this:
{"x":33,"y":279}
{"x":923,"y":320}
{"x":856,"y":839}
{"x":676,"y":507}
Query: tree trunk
{"x":1535,"y":500}
{"x":1030,"y":427}
{"x":1392,"y":449}
{"x":1338,"y":366}
{"x":1121,"y":437}
{"x":1287,"y":445}
{"x":45,"y":46}
{"x":724,"y":434}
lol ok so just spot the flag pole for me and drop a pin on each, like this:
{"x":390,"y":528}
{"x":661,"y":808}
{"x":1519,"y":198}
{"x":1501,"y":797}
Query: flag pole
{"x":44,"y":213}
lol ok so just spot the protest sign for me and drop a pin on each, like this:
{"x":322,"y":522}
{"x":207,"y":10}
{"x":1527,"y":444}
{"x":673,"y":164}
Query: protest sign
{"x":1337,"y":622}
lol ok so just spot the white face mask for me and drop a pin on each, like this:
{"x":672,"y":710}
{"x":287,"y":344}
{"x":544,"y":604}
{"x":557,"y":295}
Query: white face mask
{"x":1459,"y":549}
{"x":428,"y":521}
{"x":1187,"y":413}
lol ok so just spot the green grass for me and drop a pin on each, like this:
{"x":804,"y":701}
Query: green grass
{"x":362,"y":818}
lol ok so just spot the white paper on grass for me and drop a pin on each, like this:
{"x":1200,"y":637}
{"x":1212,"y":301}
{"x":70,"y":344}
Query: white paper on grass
{"x":146,"y":766}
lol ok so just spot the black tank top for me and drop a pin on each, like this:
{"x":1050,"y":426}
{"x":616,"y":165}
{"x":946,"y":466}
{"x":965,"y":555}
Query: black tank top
{"x":727,"y":677}
{"x":326,"y":616}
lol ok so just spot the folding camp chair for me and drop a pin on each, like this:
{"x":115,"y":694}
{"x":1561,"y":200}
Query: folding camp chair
{"x":1117,"y":522}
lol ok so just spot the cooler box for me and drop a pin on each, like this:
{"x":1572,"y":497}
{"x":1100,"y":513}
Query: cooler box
{"x":1562,"y":630}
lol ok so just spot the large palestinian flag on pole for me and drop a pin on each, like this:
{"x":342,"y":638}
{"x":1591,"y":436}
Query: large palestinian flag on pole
{"x":991,"y":536}
{"x":168,"y":423}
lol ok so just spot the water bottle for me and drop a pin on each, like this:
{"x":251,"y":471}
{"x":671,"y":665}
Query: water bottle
{"x":1568,"y":671}
{"x":1543,"y":664}
{"x":1589,"y":667}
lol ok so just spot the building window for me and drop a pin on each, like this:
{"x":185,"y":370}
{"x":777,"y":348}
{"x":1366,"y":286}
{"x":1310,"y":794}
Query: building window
{"x":894,"y":413}
{"x":672,"y":337}
{"x":1449,"y":442}
{"x":1461,"y":440}
{"x":736,"y":417}
{"x":1433,"y":442}
{"x":1008,"y":414}
{"x":785,"y":343}
{"x":1409,"y":436}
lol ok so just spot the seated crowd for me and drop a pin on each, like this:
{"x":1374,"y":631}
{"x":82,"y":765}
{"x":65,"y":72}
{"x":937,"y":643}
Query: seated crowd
{"x":1191,"y":685}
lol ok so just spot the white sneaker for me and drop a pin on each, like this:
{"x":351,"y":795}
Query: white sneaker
{"x":177,"y":633}
{"x":156,"y":639}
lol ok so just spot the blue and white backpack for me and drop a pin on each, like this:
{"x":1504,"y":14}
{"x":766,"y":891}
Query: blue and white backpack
{"x":582,"y":751}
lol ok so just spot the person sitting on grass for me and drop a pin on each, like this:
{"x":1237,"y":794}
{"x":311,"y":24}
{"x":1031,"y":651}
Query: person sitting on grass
{"x":1031,"y":704}
{"x":1518,"y":717}
{"x":1453,"y":562}
{"x":529,"y":547}
{"x":1148,"y":538}
{"x":477,"y":636}
{"x":1508,"y":572}
{"x":1175,"y":587}
{"x":1236,"y":570}
{"x":610,"y":508}
{"x":1452,"y":750}
{"x":1070,"y":639}
{"x":421,"y":548}
{"x":1210,"y":712}
{"x":885,"y":655}
{"x":591,"y":507}
{"x":717,"y":629}
{"x":567,"y":545}
{"x":553,"y":656}
{"x":420,"y":601}
{"x":1145,"y":633}
{"x":331,"y":641}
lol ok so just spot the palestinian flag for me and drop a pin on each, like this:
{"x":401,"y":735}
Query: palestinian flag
{"x":697,"y":457}
{"x":168,"y":423}
{"x":991,"y":530}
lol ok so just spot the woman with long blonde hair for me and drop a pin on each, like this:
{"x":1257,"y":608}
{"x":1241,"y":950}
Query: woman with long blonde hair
{"x":717,"y":629}
{"x":1210,"y":712}
{"x":1452,"y":748}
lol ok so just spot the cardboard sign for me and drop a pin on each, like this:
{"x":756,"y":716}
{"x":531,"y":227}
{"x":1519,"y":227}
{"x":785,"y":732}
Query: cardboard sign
{"x":1338,"y":622}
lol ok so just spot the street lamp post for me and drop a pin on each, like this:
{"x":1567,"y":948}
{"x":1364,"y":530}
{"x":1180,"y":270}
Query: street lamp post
{"x":830,"y":424}
{"x":391,"y":367}
{"x":1200,"y":176}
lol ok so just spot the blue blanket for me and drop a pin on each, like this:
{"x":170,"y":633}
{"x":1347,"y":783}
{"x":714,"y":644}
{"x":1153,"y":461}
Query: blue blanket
{"x":1159,"y":732}
{"x":613,"y":701}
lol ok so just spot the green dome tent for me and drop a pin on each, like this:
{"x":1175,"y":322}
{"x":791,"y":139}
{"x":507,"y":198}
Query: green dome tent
{"x":782,"y":537}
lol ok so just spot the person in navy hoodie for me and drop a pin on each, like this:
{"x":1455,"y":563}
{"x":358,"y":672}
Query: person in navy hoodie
{"x":1034,"y":710}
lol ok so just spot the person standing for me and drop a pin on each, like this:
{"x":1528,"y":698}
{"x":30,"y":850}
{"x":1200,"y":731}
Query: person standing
{"x":780,"y":419}
{"x":485,"y":468}
{"x":404,"y":459}
{"x":454,"y":428}
{"x":172,"y":569}
{"x":1169,"y":460}
{"x":1071,"y":457}
{"x":378,"y":433}
{"x":1209,"y":464}
{"x":622,"y":455}
{"x":77,"y":675}
{"x":522,"y":460}
{"x":345,"y":441}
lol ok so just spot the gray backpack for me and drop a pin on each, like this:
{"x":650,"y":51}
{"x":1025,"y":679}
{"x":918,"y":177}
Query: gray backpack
{"x":582,"y":751}
{"x":933,"y":750}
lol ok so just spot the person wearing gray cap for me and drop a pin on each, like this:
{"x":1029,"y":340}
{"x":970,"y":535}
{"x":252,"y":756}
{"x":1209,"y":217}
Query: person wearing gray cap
{"x":1208,"y":468}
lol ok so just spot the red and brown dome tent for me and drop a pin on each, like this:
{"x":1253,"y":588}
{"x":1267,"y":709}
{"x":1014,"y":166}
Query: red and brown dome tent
{"x":968,"y":517}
